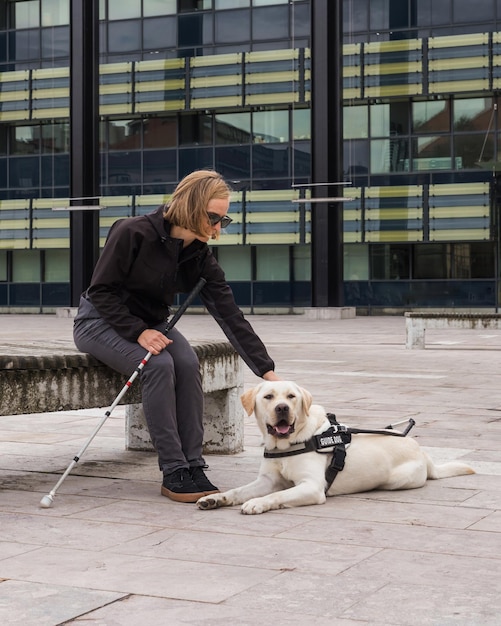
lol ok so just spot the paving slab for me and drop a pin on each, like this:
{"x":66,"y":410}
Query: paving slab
{"x":112,"y":551}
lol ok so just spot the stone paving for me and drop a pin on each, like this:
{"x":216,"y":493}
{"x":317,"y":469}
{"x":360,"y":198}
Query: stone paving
{"x":112,"y":551}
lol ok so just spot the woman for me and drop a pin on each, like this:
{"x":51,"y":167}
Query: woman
{"x":146,"y":261}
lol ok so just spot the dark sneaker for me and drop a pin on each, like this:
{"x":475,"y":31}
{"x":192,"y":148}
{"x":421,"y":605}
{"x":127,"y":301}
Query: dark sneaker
{"x":180,"y":486}
{"x":201,"y":481}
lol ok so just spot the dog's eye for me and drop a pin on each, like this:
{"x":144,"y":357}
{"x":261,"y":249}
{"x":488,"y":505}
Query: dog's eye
{"x":268,"y":396}
{"x":291,"y":396}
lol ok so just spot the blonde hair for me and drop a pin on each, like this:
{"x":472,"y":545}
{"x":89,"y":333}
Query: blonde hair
{"x":188,"y":206}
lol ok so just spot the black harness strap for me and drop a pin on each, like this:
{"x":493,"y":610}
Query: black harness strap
{"x":333,"y":440}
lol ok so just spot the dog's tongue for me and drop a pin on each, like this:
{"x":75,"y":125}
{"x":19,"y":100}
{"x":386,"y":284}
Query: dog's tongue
{"x":282,"y":428}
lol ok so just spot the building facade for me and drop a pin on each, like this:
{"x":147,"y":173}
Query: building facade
{"x":226,"y":84}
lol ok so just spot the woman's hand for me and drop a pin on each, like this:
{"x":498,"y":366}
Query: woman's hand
{"x":153,"y":340}
{"x":271,"y":376}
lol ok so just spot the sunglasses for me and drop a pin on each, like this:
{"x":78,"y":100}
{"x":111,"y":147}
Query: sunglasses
{"x":224,"y":220}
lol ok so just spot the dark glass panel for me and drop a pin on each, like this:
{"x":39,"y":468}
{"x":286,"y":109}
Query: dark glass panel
{"x":195,"y":128}
{"x":232,"y":26}
{"x":233,"y":162}
{"x":55,"y":42}
{"x":159,"y":167}
{"x":270,"y":23}
{"x":270,"y":161}
{"x":191,"y":159}
{"x":124,"y":171}
{"x":24,"y":172}
{"x":124,"y":36}
{"x":160,"y":132}
{"x":159,"y":32}
{"x":55,"y":170}
{"x":24,"y":45}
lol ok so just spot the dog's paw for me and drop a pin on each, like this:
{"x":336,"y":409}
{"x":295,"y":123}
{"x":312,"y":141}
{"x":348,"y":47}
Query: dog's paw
{"x":256,"y":506}
{"x":207,"y":502}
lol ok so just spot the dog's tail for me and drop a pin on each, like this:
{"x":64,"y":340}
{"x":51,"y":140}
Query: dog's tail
{"x":446,"y":470}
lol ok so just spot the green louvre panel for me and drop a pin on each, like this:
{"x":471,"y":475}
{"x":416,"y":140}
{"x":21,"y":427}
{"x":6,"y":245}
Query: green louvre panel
{"x":394,"y":214}
{"x":15,"y":220}
{"x":459,"y":212}
{"x":393,"y":68}
{"x":458,"y":63}
{"x":14,"y":95}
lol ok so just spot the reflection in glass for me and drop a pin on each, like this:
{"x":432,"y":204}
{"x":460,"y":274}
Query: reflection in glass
{"x":355,"y":122}
{"x":160,"y":132}
{"x":431,"y":153}
{"x":472,"y":114}
{"x":270,"y":126}
{"x":232,"y":26}
{"x":124,"y":134}
{"x":120,"y":10}
{"x":232,"y":128}
{"x":432,"y":116}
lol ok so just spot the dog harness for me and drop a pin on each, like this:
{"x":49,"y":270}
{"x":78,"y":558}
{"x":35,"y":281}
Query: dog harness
{"x":336,"y":439}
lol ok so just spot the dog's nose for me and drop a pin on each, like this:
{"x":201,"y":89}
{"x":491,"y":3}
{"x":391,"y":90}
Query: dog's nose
{"x":282,"y":409}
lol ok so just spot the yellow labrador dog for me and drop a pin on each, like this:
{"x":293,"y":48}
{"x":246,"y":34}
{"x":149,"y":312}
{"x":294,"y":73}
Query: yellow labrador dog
{"x":287,"y":418}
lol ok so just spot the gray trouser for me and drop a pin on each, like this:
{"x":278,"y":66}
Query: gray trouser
{"x":171,"y":388}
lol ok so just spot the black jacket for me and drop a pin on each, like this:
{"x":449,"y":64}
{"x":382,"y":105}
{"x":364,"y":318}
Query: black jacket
{"x":142,"y":268}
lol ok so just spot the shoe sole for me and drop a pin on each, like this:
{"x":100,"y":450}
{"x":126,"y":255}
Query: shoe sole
{"x":185,"y":497}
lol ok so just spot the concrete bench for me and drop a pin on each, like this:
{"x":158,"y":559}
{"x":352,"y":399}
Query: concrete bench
{"x":37,"y":378}
{"x":417,"y":323}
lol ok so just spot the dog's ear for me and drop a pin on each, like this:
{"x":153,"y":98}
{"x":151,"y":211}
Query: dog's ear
{"x":307,"y":399}
{"x":248,"y":400}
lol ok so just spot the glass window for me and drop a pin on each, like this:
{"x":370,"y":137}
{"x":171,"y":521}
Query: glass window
{"x":26,"y":14}
{"x":195,"y":128}
{"x":160,"y":132}
{"x":236,"y":262}
{"x":433,"y":13}
{"x":471,"y":150}
{"x":262,"y":3}
{"x":270,"y":126}
{"x":124,"y":134}
{"x":432,"y":260}
{"x":231,"y":4}
{"x":270,"y":23}
{"x":193,"y":5}
{"x":233,"y":162}
{"x":356,"y":158}
{"x":55,"y":171}
{"x":191,"y":30}
{"x":272,"y":263}
{"x":24,"y":172}
{"x":194,"y":159}
{"x":355,"y":122}
{"x":472,"y":114}
{"x":3,"y":265}
{"x":26,"y":266}
{"x":301,"y":159}
{"x":55,"y":137}
{"x":388,"y":120}
{"x":232,"y":26}
{"x":160,"y":33}
{"x":4,"y":138}
{"x":232,"y":128}
{"x":120,"y":10}
{"x":356,"y":262}
{"x":301,"y":124}
{"x":355,"y":15}
{"x":159,"y":7}
{"x":269,"y":161}
{"x":431,"y":117}
{"x":302,"y":262}
{"x":159,"y":166}
{"x":300,"y":23}
{"x":390,"y":262}
{"x":462,"y":10}
{"x":24,"y":45}
{"x":24,"y":139}
{"x":124,"y":168}
{"x":55,"y":42}
{"x":57,"y":266}
{"x":431,"y":153}
{"x":55,"y":12}
{"x":380,"y":14}
{"x":124,"y":36}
